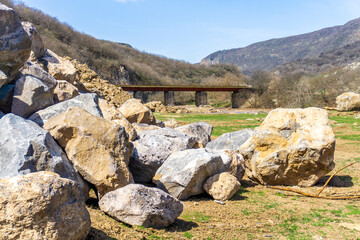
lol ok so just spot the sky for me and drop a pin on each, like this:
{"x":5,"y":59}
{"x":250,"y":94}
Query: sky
{"x":189,"y":30}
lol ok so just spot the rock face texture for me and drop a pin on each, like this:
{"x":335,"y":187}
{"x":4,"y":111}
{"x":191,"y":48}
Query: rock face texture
{"x":60,"y":68}
{"x":111,"y":113}
{"x":98,"y":148}
{"x":137,"y":204}
{"x":33,"y":91}
{"x":37,"y":45}
{"x":15,"y":44}
{"x":26,"y":148}
{"x":152,"y":149}
{"x":201,"y":132}
{"x":64,"y":91}
{"x":139,"y":127}
{"x":42,"y":206}
{"x":348,"y":102}
{"x":232,"y":140}
{"x":87,"y":101}
{"x":184,"y":173}
{"x":135,"y":111}
{"x":222,"y":186}
{"x":291,"y":147}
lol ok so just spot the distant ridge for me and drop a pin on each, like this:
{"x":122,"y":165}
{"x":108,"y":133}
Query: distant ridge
{"x":308,"y":52}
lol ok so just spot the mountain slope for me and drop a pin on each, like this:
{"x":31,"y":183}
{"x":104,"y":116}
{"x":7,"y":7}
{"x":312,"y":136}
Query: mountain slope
{"x":316,"y":48}
{"x":118,"y":62}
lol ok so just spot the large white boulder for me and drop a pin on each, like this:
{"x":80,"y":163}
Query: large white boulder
{"x":348,"y":102}
{"x":291,"y":147}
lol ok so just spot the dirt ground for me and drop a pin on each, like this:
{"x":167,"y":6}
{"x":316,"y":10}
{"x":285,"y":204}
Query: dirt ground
{"x":258,"y":212}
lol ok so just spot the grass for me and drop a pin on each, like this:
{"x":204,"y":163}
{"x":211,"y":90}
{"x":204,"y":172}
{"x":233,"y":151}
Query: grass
{"x":197,"y":217}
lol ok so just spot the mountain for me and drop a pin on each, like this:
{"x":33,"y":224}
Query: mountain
{"x":308,"y":52}
{"x":120,"y":63}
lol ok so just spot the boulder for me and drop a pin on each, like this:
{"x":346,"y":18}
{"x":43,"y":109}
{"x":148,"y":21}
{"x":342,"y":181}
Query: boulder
{"x":291,"y":147}
{"x":183,"y":173}
{"x":27,"y":148}
{"x":222,"y":186}
{"x":6,"y":97}
{"x":348,"y":102}
{"x":37,"y":45}
{"x":139,"y":127}
{"x":135,"y":111}
{"x":156,"y":106}
{"x":15,"y":44}
{"x":34,"y":90}
{"x":87,"y":101}
{"x":231,"y":140}
{"x":201,"y":131}
{"x":111,"y":113}
{"x":98,"y":148}
{"x":64,"y":91}
{"x":171,"y":123}
{"x":42,"y":206}
{"x":137,"y":204}
{"x":152,"y":149}
{"x":60,"y":68}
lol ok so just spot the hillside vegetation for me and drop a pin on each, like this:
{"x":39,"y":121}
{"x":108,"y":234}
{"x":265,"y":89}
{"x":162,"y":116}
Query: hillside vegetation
{"x":120,"y":63}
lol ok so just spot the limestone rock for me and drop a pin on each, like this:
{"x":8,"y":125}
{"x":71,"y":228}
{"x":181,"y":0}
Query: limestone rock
{"x":64,"y":91}
{"x":98,"y":148}
{"x":26,"y":148}
{"x":171,"y":123}
{"x":87,"y":101}
{"x":139,"y":127}
{"x":37,"y":45}
{"x":15,"y":44}
{"x":135,"y":111}
{"x":152,"y":149}
{"x":201,"y":131}
{"x":222,"y":186}
{"x":183,"y":173}
{"x":156,"y":106}
{"x":348,"y":102}
{"x":6,"y":97}
{"x":137,"y":204}
{"x":291,"y":147}
{"x":42,"y":206}
{"x":60,"y":68}
{"x":231,"y":140}
{"x":34,"y":91}
{"x":111,"y":113}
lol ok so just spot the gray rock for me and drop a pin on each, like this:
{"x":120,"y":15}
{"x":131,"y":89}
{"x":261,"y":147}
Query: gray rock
{"x":6,"y":97}
{"x":184,"y":173}
{"x":152,"y":149}
{"x":33,"y":91}
{"x":87,"y":101}
{"x":231,"y":140}
{"x":42,"y":206}
{"x":15,"y":44}
{"x":27,"y":148}
{"x":201,"y":131}
{"x":136,"y":204}
{"x":37,"y":45}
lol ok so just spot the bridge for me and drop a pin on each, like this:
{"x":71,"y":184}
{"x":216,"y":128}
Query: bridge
{"x":239,"y":94}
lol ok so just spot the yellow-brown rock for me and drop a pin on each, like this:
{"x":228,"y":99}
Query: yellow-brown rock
{"x":222,"y":186}
{"x":98,"y":148}
{"x":60,"y":68}
{"x":64,"y":91}
{"x":42,"y":205}
{"x":135,"y":111}
{"x":111,"y":113}
{"x":291,"y":147}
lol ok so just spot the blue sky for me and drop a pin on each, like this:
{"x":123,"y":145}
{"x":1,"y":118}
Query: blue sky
{"x":191,"y":29}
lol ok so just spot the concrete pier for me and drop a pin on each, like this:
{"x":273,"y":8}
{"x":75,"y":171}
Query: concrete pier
{"x":200,"y":98}
{"x":238,"y":98}
{"x":169,"y":98}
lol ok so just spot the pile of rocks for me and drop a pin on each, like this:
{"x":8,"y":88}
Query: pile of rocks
{"x":57,"y":142}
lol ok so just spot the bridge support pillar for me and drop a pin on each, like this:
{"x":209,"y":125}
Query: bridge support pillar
{"x":169,"y":98}
{"x":143,"y":96}
{"x":238,"y":98}
{"x":200,"y":98}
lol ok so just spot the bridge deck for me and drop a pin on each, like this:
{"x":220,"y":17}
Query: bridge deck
{"x":181,"y":88}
